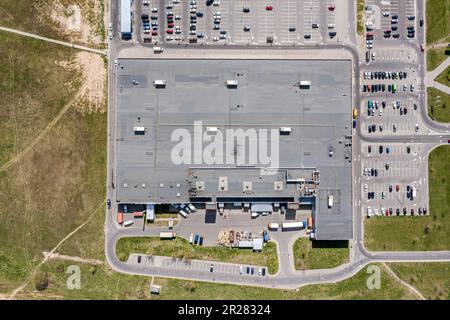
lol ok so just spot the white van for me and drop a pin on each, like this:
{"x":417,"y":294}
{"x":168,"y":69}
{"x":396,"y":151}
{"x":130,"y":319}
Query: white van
{"x":128,"y":223}
{"x":183,"y":213}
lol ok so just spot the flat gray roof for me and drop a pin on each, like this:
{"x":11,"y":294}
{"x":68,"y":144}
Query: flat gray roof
{"x":267,"y":97}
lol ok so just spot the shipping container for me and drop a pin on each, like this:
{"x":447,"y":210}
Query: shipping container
{"x":119,"y":217}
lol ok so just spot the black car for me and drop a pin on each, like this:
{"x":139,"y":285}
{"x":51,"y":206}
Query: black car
{"x":332,"y":34}
{"x":380,"y":149}
{"x":421,"y":22}
{"x":369,"y":149}
{"x":394,"y":28}
{"x":383,"y":88}
{"x":292,"y":29}
{"x":108,"y":203}
{"x":395,"y":16}
{"x":263,"y":272}
{"x":390,"y":188}
{"x":199,"y":14}
{"x":307,"y":36}
{"x":404,"y":211}
{"x":246,"y":10}
{"x":397,"y":211}
{"x":396,"y":35}
{"x":252,"y":270}
{"x":408,"y":149}
{"x":209,"y":2}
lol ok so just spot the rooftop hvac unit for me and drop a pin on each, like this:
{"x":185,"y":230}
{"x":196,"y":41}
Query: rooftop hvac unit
{"x":139,"y":130}
{"x":160,"y":83}
{"x":285,"y":130}
{"x":232,"y":83}
{"x":211,"y":129}
{"x":305,"y":84}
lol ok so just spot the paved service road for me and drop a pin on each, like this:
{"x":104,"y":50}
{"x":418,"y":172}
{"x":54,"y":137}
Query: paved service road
{"x":431,"y":134}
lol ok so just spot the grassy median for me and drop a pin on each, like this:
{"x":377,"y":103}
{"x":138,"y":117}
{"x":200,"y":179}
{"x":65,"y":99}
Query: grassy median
{"x":180,"y":248}
{"x":444,"y":77}
{"x":319,"y":254}
{"x":418,"y":232}
{"x":438,"y":105}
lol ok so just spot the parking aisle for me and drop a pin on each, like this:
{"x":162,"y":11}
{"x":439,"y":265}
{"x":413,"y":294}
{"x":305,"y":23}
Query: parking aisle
{"x":265,"y":22}
{"x":288,"y":19}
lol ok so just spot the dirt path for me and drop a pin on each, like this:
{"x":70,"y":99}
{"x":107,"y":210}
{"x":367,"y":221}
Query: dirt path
{"x":41,"y":134}
{"x":63,"y":43}
{"x":50,"y":255}
{"x":30,"y":277}
{"x":403,"y":283}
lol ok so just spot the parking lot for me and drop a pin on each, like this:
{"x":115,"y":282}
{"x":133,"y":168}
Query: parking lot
{"x":389,"y":174}
{"x":241,"y":22}
{"x":212,"y":267}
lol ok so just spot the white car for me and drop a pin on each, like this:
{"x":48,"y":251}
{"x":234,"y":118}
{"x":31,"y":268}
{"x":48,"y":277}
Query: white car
{"x":146,"y":2}
{"x":110,"y":26}
{"x":110,"y":35}
{"x":376,"y":212}
{"x":177,"y":17}
{"x":365,"y":171}
{"x":417,"y":127}
{"x":366,"y":188}
{"x":216,"y":3}
{"x":154,"y":10}
{"x":215,"y":39}
{"x":369,"y":211}
{"x":241,"y":269}
{"x":191,"y":238}
{"x":331,"y":25}
{"x":385,"y":13}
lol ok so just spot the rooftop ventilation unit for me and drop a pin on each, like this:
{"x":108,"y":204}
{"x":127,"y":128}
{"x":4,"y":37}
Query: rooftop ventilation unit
{"x":232,"y":83}
{"x":160,"y":83}
{"x":285,"y":130}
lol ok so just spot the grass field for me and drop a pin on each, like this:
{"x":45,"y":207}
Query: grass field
{"x":435,"y":56}
{"x":180,"y":248}
{"x":438,"y":105}
{"x":437,"y":31}
{"x":319,"y":254}
{"x":418,"y":232}
{"x":444,"y":77}
{"x":98,"y":282}
{"x":48,"y":18}
{"x":437,"y":18}
{"x":57,"y":184}
{"x":431,"y":279}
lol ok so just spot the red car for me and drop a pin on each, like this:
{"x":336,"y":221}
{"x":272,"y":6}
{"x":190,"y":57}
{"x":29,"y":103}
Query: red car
{"x":170,"y":31}
{"x":154,"y":33}
{"x":269,"y":8}
{"x":397,"y":187}
{"x":331,"y":7}
{"x":170,"y":25}
{"x":369,"y":34}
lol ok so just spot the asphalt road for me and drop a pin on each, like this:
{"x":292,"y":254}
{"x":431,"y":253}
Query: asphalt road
{"x":289,"y":278}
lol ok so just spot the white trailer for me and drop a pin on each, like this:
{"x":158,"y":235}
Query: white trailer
{"x":292,"y":225}
{"x":167,"y":235}
{"x":273,"y":226}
